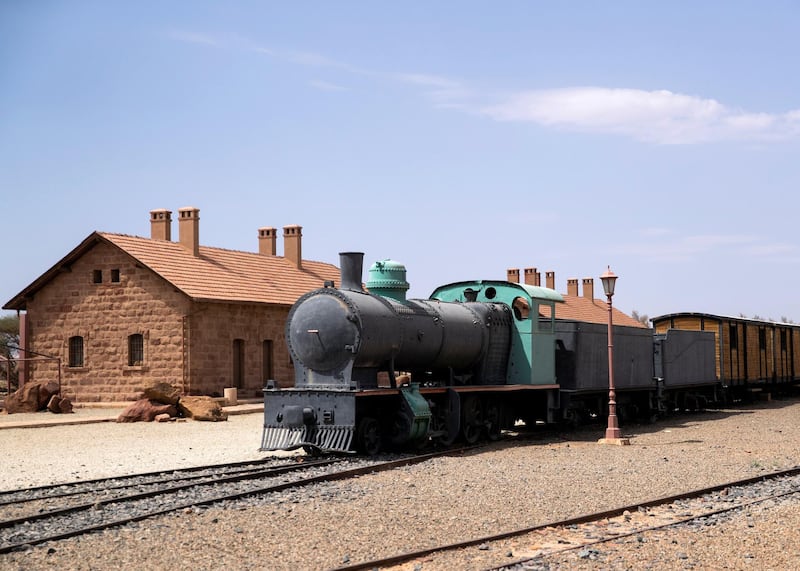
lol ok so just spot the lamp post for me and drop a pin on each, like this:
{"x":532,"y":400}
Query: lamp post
{"x":613,"y":433}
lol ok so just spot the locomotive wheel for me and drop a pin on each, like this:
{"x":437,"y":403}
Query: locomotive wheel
{"x":471,"y":419}
{"x":494,"y":415}
{"x":369,"y":436}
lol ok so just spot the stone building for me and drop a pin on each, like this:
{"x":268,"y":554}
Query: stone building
{"x":123,"y":311}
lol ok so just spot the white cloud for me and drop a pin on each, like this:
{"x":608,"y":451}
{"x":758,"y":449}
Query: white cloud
{"x":654,"y":116}
{"x":326,"y":86}
{"x":659,"y":116}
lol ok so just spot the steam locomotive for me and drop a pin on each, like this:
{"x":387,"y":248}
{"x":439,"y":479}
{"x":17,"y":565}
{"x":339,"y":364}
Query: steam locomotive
{"x":375,"y":370}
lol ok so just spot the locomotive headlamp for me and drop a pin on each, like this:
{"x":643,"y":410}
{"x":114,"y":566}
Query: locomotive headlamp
{"x":609,"y":280}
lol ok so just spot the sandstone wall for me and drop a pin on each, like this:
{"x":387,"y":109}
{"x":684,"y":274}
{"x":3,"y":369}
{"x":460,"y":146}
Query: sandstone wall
{"x":189,"y":345}
{"x":105,"y":314}
{"x":213,"y":329}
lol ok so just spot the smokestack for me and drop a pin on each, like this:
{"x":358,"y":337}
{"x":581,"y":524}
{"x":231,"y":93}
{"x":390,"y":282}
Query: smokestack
{"x":161,"y":224}
{"x":351,"y":266}
{"x":551,"y":279}
{"x":572,"y":287}
{"x":292,"y":244}
{"x":588,"y":288}
{"x":267,"y":238}
{"x":531,"y":276}
{"x":512,"y":275}
{"x":189,"y":229}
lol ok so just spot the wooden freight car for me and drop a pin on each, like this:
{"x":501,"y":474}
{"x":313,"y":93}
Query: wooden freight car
{"x":751,"y":355}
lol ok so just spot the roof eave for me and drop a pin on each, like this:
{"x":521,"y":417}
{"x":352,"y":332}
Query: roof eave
{"x":19,"y":301}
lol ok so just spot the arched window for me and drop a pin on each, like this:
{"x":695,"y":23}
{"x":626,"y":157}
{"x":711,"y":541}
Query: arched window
{"x":76,"y":351}
{"x":135,"y":350}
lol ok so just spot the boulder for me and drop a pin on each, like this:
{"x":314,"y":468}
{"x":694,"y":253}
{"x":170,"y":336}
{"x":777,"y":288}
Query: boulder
{"x":32,"y":397}
{"x":53,"y":405}
{"x":162,"y":392}
{"x":66,"y":406}
{"x":146,"y":410}
{"x":201,"y":408}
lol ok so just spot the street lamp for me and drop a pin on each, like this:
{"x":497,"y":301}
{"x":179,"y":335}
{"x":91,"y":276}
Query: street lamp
{"x":613,"y":433}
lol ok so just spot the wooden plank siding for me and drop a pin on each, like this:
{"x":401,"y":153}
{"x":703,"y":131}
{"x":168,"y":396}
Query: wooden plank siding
{"x":748,"y":351}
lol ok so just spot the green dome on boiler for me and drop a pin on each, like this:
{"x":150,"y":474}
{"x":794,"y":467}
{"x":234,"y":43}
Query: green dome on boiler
{"x":387,"y":278}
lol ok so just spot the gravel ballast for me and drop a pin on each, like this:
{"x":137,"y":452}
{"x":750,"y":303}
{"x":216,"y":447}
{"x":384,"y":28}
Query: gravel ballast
{"x":446,"y":499}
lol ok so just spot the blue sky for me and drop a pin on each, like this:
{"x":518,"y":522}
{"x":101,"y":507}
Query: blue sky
{"x":460,"y":138}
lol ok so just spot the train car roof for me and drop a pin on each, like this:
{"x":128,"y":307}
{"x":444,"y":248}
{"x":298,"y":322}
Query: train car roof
{"x":535,"y":292}
{"x":754,"y":320}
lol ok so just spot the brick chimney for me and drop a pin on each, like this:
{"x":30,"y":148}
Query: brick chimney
{"x":572,"y":287}
{"x":551,"y":279}
{"x":293,"y":244}
{"x":588,"y":288}
{"x":512,"y":275}
{"x":267,"y":237}
{"x":532,"y":277}
{"x":161,"y":224}
{"x":189,"y":229}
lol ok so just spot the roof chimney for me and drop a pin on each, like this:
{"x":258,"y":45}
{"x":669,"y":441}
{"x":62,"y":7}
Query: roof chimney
{"x":267,"y":238}
{"x":532,"y":277}
{"x":512,"y":275}
{"x":189,"y":229}
{"x":572,"y":287}
{"x":551,"y":279}
{"x":588,"y":288}
{"x":293,"y":244}
{"x":161,"y":224}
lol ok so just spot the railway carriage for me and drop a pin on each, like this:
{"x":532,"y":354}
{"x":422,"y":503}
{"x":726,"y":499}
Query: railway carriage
{"x":749,"y":355}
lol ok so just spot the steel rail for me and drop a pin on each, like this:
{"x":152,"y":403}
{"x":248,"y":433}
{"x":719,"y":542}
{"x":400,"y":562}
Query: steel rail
{"x":250,"y":475}
{"x":676,"y":521}
{"x":340,"y":475}
{"x":167,"y":476}
{"x":7,"y":493}
{"x":614,"y":512}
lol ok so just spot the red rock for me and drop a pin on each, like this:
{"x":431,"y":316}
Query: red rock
{"x":145,"y":410}
{"x":201,"y":408}
{"x":66,"y":406}
{"x":32,"y":397}
{"x":162,"y":392}
{"x":54,"y":404}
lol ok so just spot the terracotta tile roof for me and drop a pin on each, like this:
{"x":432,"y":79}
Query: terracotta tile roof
{"x":226,"y":275}
{"x":579,"y":308}
{"x":216,"y":275}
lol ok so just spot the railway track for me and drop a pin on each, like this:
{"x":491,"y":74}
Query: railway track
{"x":584,"y":532}
{"x":50,"y":513}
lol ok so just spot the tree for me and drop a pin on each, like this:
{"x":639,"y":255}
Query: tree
{"x":9,"y":341}
{"x":644,"y":319}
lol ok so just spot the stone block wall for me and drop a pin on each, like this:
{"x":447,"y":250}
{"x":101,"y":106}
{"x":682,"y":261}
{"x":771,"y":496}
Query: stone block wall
{"x":214,"y":329}
{"x":105,"y":297}
{"x":84,"y":301}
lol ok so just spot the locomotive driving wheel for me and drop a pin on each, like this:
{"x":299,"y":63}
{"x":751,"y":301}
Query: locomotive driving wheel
{"x":494,"y":419}
{"x":471,"y":419}
{"x":369,"y":436}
